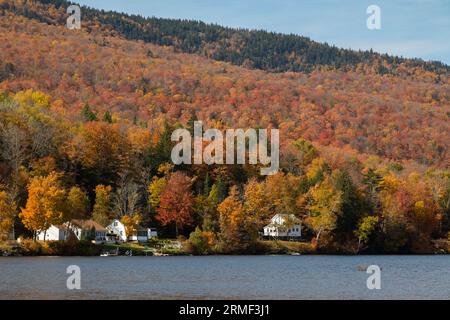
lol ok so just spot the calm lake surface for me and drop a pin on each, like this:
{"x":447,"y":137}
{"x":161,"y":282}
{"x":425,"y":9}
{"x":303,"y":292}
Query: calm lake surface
{"x":226,"y":277}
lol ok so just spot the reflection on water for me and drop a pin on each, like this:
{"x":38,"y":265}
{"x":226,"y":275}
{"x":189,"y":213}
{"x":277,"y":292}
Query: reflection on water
{"x":226,"y":277}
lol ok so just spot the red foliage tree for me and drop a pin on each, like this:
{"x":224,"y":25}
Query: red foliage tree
{"x":176,"y":202}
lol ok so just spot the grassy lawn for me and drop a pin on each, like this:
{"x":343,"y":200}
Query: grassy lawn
{"x":286,"y":247}
{"x":159,"y":245}
{"x":125,"y":246}
{"x":166,"y":246}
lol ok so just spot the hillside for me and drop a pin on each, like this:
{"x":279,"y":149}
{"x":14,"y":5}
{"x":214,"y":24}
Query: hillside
{"x":250,"y":48}
{"x":395,"y":117}
{"x":99,"y":107}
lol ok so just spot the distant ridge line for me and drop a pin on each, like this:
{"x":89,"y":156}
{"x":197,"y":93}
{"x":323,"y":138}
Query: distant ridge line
{"x":253,"y":49}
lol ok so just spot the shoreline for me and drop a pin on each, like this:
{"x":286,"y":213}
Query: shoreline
{"x":243,"y":255}
{"x":228,"y":255}
{"x":170,"y":247}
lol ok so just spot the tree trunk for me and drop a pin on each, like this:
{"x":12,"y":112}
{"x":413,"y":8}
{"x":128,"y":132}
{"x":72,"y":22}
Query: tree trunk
{"x":176,"y":230}
{"x":318,"y":236}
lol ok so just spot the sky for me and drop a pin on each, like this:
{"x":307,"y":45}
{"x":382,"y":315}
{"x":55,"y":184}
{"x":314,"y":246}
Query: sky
{"x":409,"y":28}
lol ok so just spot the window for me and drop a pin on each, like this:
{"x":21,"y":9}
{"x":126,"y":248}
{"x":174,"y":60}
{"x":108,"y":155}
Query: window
{"x":142,"y":233}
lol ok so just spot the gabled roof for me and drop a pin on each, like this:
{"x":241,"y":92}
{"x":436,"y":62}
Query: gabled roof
{"x":113,"y":221}
{"x":286,"y":216}
{"x":141,"y":228}
{"x":88,"y":225}
{"x":60,"y":226}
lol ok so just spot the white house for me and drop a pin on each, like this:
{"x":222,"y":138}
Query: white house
{"x":283,"y":226}
{"x":144,"y":234}
{"x":88,"y":230}
{"x":82,"y":229}
{"x":54,"y":233}
{"x":152,"y":233}
{"x":117,"y":229}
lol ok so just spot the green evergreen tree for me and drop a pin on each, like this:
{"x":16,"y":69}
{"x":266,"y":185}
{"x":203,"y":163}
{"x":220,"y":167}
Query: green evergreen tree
{"x":88,"y":114}
{"x":222,"y":190}
{"x":161,"y":152}
{"x":107,"y":117}
{"x":190,"y":123}
{"x":207,"y":185}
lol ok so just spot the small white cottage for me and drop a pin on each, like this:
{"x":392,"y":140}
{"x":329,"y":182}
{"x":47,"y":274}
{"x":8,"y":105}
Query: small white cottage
{"x":283,"y":226}
{"x":82,"y":229}
{"x":88,"y":230}
{"x":54,"y":233}
{"x":117,"y":229}
{"x":144,"y":234}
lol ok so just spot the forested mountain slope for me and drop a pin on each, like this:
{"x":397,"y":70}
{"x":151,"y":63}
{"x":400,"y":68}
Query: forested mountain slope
{"x":250,"y":48}
{"x":89,"y":113}
{"x":397,"y":117}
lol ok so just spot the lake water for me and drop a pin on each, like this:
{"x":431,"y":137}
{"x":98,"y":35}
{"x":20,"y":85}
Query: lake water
{"x":226,"y":277}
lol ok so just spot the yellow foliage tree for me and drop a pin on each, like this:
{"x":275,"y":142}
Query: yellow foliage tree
{"x":131,"y":223}
{"x":282,"y":192}
{"x":45,"y":204}
{"x":7,"y":213}
{"x":30,"y":98}
{"x":155,"y":189}
{"x":77,"y":204}
{"x":325,"y":206}
{"x":102,"y":207}
{"x":317,"y":171}
{"x":233,"y":222}
{"x":257,"y":207}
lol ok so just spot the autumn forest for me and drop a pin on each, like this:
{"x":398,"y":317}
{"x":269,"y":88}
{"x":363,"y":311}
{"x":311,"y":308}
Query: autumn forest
{"x":86,"y":118}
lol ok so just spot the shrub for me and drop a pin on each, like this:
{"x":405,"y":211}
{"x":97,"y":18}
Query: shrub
{"x":5,"y":247}
{"x":200,"y":242}
{"x":284,"y":247}
{"x":73,"y":248}
{"x":172,"y":252}
{"x":29,"y":247}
